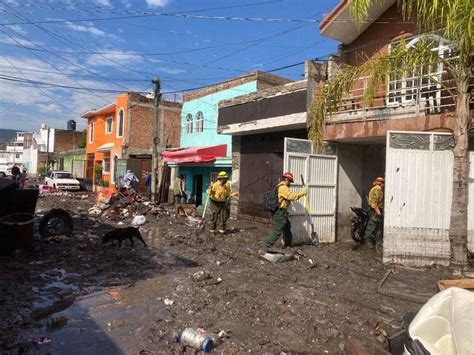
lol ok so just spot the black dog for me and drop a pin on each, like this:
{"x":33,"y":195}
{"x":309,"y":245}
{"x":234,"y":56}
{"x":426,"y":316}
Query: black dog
{"x":121,"y":234}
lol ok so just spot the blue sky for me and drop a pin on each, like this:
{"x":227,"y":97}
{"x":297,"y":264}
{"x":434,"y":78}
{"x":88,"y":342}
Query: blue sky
{"x":42,"y":42}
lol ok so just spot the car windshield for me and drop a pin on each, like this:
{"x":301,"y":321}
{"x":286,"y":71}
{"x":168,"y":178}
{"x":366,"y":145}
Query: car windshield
{"x":63,"y":176}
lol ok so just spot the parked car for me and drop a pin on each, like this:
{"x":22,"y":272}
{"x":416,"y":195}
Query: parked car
{"x":62,"y":180}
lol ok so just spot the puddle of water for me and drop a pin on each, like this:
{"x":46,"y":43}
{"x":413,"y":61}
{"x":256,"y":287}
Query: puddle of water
{"x":61,"y":285}
{"x":105,"y":322}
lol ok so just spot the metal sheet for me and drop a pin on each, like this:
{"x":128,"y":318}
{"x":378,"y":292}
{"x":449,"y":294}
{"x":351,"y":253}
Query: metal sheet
{"x":418,"y":195}
{"x":320,"y":174}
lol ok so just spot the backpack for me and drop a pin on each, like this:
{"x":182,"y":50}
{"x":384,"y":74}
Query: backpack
{"x":270,"y":200}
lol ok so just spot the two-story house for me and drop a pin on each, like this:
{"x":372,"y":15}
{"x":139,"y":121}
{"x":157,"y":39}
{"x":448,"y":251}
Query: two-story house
{"x":404,"y":135}
{"x":205,"y":152}
{"x":120,"y":136}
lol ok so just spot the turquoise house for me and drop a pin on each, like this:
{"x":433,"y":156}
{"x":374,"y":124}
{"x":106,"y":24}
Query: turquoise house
{"x":204,"y":152}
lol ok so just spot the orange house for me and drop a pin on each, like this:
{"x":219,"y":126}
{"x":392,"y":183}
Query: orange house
{"x":120,"y":135}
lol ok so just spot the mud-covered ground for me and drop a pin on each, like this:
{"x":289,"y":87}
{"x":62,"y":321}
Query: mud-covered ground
{"x":290,"y":307}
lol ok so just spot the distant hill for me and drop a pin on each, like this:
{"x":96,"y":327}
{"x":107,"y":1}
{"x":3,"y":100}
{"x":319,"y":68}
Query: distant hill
{"x":7,"y":134}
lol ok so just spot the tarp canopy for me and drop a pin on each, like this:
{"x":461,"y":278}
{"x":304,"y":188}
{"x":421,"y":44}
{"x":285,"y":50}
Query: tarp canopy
{"x":195,"y":154}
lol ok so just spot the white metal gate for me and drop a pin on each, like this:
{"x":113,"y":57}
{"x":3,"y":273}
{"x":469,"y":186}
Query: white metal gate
{"x":418,"y":193}
{"x":320,"y":176}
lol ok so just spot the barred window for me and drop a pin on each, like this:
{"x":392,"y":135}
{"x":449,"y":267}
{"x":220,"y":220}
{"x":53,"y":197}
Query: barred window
{"x":189,"y":123}
{"x":199,"y":122}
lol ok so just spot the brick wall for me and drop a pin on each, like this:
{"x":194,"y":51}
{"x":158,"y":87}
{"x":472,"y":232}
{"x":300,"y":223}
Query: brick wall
{"x":142,"y":120}
{"x":265,"y":80}
{"x":66,"y":140}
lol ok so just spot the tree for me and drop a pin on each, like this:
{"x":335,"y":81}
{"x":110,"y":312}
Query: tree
{"x":83,"y":142}
{"x":453,"y":21}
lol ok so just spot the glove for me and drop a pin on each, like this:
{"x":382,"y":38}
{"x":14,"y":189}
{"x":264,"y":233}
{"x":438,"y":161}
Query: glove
{"x":304,"y":192}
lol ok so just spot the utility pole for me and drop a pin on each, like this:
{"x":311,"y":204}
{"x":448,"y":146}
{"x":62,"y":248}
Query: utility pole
{"x":156,"y":139}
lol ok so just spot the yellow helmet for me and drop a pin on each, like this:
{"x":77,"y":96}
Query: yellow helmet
{"x":222,"y":175}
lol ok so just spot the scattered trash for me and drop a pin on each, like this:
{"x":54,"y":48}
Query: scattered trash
{"x":222,"y":334}
{"x":219,"y":279}
{"x":104,"y":197}
{"x":138,"y":220}
{"x":201,"y":275}
{"x":193,"y":221}
{"x":276,"y":256}
{"x":197,"y":339}
{"x":120,"y":223}
{"x":381,"y":335}
{"x":56,"y":239}
{"x":41,"y":340}
{"x":146,"y":203}
{"x":94,"y":211}
{"x":44,"y":189}
{"x":168,"y":302}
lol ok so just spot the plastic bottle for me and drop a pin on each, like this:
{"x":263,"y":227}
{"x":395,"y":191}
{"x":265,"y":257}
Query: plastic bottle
{"x":196,"y":339}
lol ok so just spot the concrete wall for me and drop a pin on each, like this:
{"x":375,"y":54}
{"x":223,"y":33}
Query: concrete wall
{"x":359,"y":165}
{"x":349,"y":186}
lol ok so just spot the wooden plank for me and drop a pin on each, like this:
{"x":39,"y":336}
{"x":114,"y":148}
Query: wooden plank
{"x":467,"y":284}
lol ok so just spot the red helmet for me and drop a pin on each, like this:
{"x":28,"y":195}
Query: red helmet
{"x":288,"y":176}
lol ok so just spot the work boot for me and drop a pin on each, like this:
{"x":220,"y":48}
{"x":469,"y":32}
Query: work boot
{"x":221,"y":231}
{"x":212,"y":230}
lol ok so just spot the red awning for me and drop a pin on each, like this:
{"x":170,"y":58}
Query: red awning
{"x":195,"y":154}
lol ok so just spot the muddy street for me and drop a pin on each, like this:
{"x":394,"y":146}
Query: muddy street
{"x":75,"y":295}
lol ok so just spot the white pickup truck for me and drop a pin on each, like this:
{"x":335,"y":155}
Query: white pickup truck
{"x":62,"y":180}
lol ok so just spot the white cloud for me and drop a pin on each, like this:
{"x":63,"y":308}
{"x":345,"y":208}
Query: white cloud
{"x":103,"y":2}
{"x":17,"y":41}
{"x":157,"y":3}
{"x":113,"y":59}
{"x":18,"y":29}
{"x":50,"y":108}
{"x":89,"y":28}
{"x":33,"y":105}
{"x":172,"y":70}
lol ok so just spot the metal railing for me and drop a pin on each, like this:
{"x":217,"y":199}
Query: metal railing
{"x":409,"y":96}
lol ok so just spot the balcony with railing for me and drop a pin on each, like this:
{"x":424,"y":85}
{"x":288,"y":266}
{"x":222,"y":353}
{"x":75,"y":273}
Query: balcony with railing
{"x":410,"y":96}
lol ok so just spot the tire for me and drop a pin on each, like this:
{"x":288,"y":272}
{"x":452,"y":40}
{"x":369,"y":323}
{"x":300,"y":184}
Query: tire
{"x":56,"y":222}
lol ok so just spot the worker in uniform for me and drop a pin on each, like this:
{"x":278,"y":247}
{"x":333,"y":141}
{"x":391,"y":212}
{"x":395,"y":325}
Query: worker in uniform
{"x":373,"y":231}
{"x":282,"y":224}
{"x":219,"y":194}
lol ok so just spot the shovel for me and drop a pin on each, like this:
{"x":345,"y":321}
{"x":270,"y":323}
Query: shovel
{"x":313,"y":236}
{"x":201,"y":224}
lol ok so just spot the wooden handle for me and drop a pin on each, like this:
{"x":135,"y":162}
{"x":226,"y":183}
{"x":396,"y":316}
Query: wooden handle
{"x":302,"y":179}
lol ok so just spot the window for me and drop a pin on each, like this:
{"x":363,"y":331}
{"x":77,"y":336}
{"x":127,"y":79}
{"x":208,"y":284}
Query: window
{"x":91,"y":132}
{"x":17,"y":156}
{"x":63,"y":176}
{"x":108,"y":125}
{"x":199,"y":122}
{"x":189,"y":123}
{"x":120,"y":123}
{"x":419,"y":84}
{"x":106,"y":165}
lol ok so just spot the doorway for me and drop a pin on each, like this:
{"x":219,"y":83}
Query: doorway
{"x":198,"y":189}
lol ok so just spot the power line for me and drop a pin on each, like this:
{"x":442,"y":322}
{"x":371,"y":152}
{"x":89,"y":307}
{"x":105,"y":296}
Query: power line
{"x":67,"y":60}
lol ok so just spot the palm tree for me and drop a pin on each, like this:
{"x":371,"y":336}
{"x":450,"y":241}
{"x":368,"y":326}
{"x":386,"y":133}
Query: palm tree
{"x":452,"y":20}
